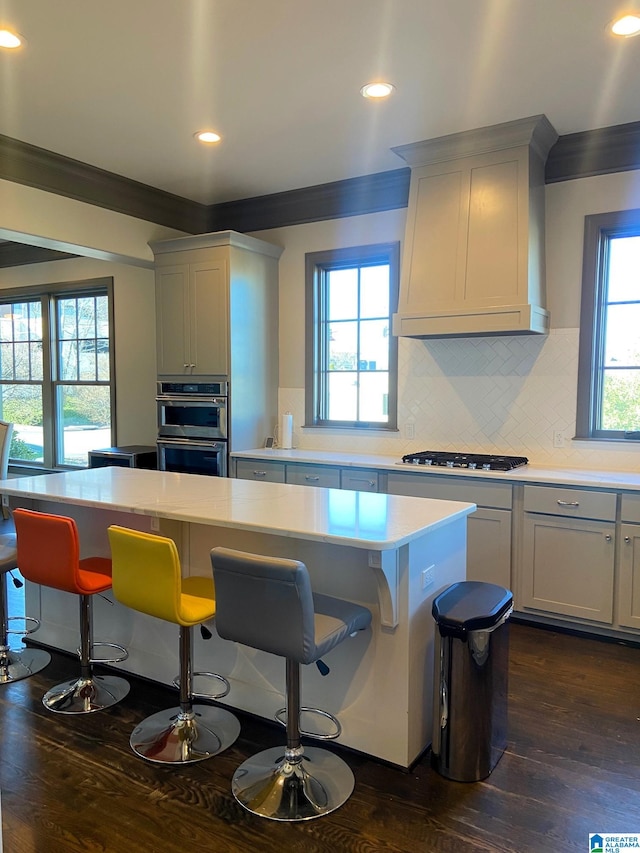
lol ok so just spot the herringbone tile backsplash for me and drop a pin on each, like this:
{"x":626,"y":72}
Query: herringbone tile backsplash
{"x":489,"y":395}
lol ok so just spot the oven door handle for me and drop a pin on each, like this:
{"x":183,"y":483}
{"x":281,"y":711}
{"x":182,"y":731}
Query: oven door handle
{"x":192,"y":443}
{"x":192,"y":401}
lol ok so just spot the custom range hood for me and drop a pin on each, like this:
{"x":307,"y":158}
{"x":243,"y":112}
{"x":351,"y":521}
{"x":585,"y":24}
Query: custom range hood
{"x":473,"y":255}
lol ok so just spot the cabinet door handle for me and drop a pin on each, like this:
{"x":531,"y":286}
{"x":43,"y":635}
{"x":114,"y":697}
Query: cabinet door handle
{"x":311,"y":479}
{"x":608,"y":537}
{"x":259,"y":473}
{"x":627,"y":539}
{"x":568,"y":503}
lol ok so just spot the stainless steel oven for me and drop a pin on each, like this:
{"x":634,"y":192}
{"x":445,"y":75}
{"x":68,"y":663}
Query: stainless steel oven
{"x":192,"y":427}
{"x":193,"y":456}
{"x":192,"y":410}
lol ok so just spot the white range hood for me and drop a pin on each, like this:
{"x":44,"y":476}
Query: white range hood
{"x":473,"y":256}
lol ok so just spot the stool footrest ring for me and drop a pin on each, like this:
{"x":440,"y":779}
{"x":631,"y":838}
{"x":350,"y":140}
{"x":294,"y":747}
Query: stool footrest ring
{"x":281,"y":717}
{"x":225,"y":691}
{"x":27,"y":620}
{"x":124,"y":654}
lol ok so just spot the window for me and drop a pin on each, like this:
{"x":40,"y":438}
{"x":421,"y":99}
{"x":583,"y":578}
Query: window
{"x":55,"y":373}
{"x":609,"y":361}
{"x":352,"y":358}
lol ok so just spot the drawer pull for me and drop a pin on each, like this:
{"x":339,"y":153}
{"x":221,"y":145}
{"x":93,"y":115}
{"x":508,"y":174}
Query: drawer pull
{"x":608,"y":537}
{"x":363,"y":480}
{"x":259,"y":473}
{"x":568,"y":503}
{"x":313,"y":479}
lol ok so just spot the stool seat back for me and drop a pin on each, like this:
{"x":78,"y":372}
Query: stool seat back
{"x":267,"y":603}
{"x":147,"y":576}
{"x":49,"y":554}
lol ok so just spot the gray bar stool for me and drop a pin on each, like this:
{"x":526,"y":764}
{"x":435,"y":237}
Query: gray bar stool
{"x":267,"y":603}
{"x":14,"y":665}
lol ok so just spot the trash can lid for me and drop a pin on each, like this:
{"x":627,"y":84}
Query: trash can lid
{"x":471,"y":606}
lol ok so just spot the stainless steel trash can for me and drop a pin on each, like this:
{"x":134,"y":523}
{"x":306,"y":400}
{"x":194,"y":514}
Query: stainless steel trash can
{"x":470,"y":679}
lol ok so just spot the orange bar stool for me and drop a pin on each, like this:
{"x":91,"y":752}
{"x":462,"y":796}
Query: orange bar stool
{"x":49,"y":555}
{"x":267,"y":603}
{"x":147,"y":576}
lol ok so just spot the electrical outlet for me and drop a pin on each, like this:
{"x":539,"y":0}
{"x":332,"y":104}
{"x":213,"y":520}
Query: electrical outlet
{"x":375,"y":560}
{"x":558,"y":438}
{"x":410,"y":430}
{"x":428,"y":576}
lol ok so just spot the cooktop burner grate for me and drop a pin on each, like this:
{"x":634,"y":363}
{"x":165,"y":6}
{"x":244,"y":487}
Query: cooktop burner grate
{"x":473,"y":461}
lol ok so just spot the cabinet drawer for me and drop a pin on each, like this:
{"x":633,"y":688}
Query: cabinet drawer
{"x":483,"y":493}
{"x":359,"y":480}
{"x":313,"y":475}
{"x":258,"y":469}
{"x":631,"y":508}
{"x":577,"y":503}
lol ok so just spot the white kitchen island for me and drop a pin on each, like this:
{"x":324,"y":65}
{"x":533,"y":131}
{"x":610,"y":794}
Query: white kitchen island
{"x":391,"y":553}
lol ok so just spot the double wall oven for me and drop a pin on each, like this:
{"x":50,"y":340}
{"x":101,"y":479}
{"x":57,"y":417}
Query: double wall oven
{"x":192,"y":427}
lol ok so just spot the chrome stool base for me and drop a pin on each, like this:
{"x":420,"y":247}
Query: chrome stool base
{"x":176,"y":737}
{"x":21,"y":664}
{"x":86,"y":695}
{"x":311,"y":785}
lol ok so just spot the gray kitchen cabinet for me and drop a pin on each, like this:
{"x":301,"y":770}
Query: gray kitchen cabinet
{"x":260,"y":470}
{"x":629,"y":567}
{"x":192,"y":318}
{"x":217,"y":316}
{"x":313,"y":475}
{"x":488,"y":528}
{"x":473,"y":259}
{"x":359,"y":479}
{"x":568,"y":552}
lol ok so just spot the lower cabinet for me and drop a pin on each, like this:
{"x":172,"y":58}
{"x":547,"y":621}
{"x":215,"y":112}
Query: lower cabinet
{"x":313,"y":475}
{"x":260,"y":470}
{"x":629,"y":575}
{"x":568,"y":552}
{"x":488,"y":528}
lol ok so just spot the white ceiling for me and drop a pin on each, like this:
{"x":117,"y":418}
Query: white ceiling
{"x":124,"y":84}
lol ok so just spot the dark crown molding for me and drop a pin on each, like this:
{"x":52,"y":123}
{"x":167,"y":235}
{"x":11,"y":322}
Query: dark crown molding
{"x":594,"y":152}
{"x":576,"y":155}
{"x":45,"y":170}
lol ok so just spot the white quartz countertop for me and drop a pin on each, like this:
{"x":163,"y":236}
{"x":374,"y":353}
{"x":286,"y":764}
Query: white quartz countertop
{"x":587,"y":478}
{"x":375,"y":521}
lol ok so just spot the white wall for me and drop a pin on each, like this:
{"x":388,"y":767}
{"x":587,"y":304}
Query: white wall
{"x":503,"y":394}
{"x":135,"y":353}
{"x":493,"y":394}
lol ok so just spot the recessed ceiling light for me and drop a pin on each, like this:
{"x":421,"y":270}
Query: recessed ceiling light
{"x":627,"y":25}
{"x":9,"y":39}
{"x":207,"y":136}
{"x":376,"y":90}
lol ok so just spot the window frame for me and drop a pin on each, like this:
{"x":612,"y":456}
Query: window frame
{"x":599,"y":229}
{"x":48,"y":295}
{"x":317,"y":264}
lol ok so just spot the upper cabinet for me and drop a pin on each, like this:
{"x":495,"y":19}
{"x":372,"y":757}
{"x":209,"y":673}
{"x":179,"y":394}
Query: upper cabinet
{"x":216,"y":298}
{"x":473,"y":256}
{"x":217,"y":316}
{"x":192,"y":312}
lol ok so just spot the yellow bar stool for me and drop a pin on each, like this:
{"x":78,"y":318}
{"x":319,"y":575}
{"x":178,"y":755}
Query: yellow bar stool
{"x":267,"y":603}
{"x":147,"y":577}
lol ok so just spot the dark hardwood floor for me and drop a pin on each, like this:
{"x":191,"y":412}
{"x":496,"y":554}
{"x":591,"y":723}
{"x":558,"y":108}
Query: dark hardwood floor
{"x":572,"y":767}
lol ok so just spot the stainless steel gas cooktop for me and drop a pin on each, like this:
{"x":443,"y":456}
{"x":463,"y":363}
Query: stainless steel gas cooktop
{"x":473,"y":461}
